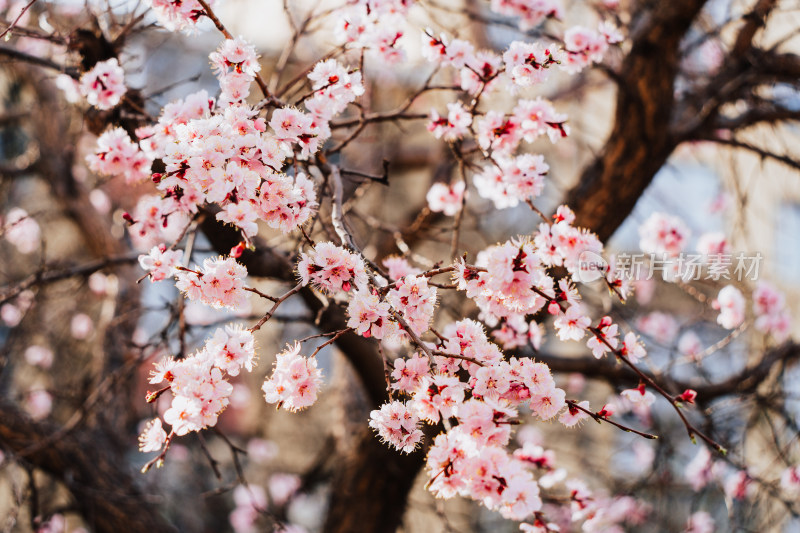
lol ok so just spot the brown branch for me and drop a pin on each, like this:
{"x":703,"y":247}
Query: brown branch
{"x":102,"y":488}
{"x":47,"y":276}
{"x":18,"y":55}
{"x":640,"y":141}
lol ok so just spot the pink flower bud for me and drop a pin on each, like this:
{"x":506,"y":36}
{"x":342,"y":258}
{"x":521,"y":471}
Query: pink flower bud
{"x":236,"y":251}
{"x":688,"y":396}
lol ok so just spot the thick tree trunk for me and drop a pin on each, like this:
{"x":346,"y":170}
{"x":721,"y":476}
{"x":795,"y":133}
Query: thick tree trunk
{"x":641,"y":140}
{"x":370,"y":487}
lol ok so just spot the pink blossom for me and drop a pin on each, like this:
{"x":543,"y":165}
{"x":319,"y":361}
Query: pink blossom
{"x":117,"y":155}
{"x":38,"y":404}
{"x":513,"y":180}
{"x":772,"y":316}
{"x":21,"y":230}
{"x":529,"y":63}
{"x":452,"y":127}
{"x":293,"y":126}
{"x":10,"y":314}
{"x":295,"y":381}
{"x":415,"y":300}
{"x":639,"y":396}
{"x":153,"y":437}
{"x":688,"y":396}
{"x":499,"y":134}
{"x":235,"y":54}
{"x":104,"y":85}
{"x":790,"y":481}
{"x":155,"y":220}
{"x":437,"y":395}
{"x":583,"y":47}
{"x":480,"y":74}
{"x":39,"y":356}
{"x":178,"y":15}
{"x":399,"y":267}
{"x":712,"y":245}
{"x":730,"y":304}
{"x":54,"y":524}
{"x":397,"y":425}
{"x":487,"y":422}
{"x":261,"y":450}
{"x":632,"y":348}
{"x":369,"y":316}
{"x":332,"y":268}
{"x":739,"y":485}
{"x":574,"y":416}
{"x":491,"y":381}
{"x":700,"y":522}
{"x":528,"y":13}
{"x":663,"y":234}
{"x":661,"y":326}
{"x":572,"y":325}
{"x":606,"y":340}
{"x":689,"y":344}
{"x":219,"y":283}
{"x":81,"y":326}
{"x":548,"y":404}
{"x":699,"y":472}
{"x":610,"y":32}
{"x":446,"y":199}
{"x":160,"y":262}
{"x":232,"y":349}
{"x":283,"y":486}
{"x":407,"y":373}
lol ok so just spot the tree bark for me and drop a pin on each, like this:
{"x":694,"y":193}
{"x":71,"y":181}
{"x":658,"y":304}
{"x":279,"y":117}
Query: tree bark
{"x":640,"y":141}
{"x":370,"y":487}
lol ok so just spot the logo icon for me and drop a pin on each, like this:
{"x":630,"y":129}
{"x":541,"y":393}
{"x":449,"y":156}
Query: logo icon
{"x":591,"y":266}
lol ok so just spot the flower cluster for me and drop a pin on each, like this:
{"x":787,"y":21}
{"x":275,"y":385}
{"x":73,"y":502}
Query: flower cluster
{"x":731,"y":306}
{"x":254,"y":164}
{"x":529,"y":63}
{"x":219,"y":283}
{"x":226,"y":159}
{"x":334,"y":88}
{"x":502,"y":134}
{"x":447,"y":199}
{"x":375,"y":25}
{"x":584,"y":46}
{"x":512,"y":180}
{"x":453,"y":126}
{"x":21,"y":230}
{"x":236,"y":65}
{"x":117,"y":155}
{"x":155,"y":221}
{"x":160,"y":262}
{"x":369,"y":316}
{"x":772,"y":316}
{"x":199,"y":385}
{"x":397,"y":425}
{"x":104,"y":85}
{"x":663,"y":234}
{"x":415,"y":301}
{"x":178,"y":15}
{"x":332,"y":268}
{"x":295,"y":381}
{"x":528,"y":13}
